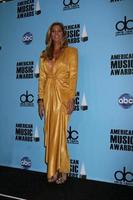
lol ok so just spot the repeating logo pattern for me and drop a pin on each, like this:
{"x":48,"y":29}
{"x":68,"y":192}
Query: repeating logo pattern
{"x":123,"y":176}
{"x":25,"y":70}
{"x":75,"y":34}
{"x":28,"y":8}
{"x":27,"y":38}
{"x":74,"y":168}
{"x":73,"y":136}
{"x":26,"y":162}
{"x":125,"y":101}
{"x":121,"y":140}
{"x":24,"y":132}
{"x":124,"y":27}
{"x":115,"y":1}
{"x":121,"y":64}
{"x":27,"y":99}
{"x":70,"y":4}
{"x":80,"y":33}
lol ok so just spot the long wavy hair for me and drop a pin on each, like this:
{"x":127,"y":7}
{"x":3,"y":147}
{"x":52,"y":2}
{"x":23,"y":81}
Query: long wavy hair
{"x":48,"y":53}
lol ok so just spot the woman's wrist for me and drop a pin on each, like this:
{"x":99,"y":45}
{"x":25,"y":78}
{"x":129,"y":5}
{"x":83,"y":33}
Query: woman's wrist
{"x":40,"y":100}
{"x":72,"y":100}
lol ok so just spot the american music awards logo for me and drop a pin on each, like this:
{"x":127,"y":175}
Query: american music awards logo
{"x":74,"y":168}
{"x":124,"y":26}
{"x":121,"y":140}
{"x":82,"y":171}
{"x":77,"y":170}
{"x":36,"y":71}
{"x":24,"y":132}
{"x":76,"y":33}
{"x":28,"y":8}
{"x":25,"y":70}
{"x":121,"y":64}
{"x":115,"y":1}
{"x":80,"y":106}
{"x":70,"y":4}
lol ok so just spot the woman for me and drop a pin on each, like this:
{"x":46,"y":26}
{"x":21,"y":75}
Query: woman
{"x":56,"y":92}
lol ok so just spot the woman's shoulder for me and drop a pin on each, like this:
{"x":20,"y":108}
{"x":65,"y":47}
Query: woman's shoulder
{"x":71,"y":49}
{"x":43,"y":54}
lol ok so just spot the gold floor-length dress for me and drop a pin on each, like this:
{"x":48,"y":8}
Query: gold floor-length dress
{"x":57,"y":85}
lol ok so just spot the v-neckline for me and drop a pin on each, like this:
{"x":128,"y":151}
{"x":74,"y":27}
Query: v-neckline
{"x":52,"y":62}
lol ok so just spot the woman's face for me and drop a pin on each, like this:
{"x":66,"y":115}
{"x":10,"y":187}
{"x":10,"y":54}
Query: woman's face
{"x":56,"y":33}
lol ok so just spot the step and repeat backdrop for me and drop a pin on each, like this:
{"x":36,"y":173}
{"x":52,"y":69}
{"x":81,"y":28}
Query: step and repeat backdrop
{"x":100,"y":132}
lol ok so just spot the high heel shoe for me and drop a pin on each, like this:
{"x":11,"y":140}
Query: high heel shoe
{"x":62,"y":177}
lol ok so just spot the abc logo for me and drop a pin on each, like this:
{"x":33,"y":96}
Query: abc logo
{"x":124,"y":175}
{"x":27,"y":38}
{"x":72,"y":136}
{"x":29,"y":98}
{"x":70,"y":2}
{"x":126,"y":25}
{"x":125,"y":100}
{"x":25,"y":162}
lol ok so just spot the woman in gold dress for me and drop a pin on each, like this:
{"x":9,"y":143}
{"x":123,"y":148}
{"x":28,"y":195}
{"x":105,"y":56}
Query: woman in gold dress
{"x":56,"y":92}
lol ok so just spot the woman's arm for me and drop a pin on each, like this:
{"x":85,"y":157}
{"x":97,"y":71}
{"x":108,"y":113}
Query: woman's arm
{"x":73,"y":67}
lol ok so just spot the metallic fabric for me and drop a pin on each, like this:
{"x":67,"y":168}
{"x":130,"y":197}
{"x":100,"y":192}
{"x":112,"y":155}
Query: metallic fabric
{"x":57,"y":85}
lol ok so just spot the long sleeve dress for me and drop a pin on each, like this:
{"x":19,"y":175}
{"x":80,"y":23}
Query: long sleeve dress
{"x":56,"y":86}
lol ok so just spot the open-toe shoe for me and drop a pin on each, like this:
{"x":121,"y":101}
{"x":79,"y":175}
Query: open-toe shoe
{"x":62,"y":177}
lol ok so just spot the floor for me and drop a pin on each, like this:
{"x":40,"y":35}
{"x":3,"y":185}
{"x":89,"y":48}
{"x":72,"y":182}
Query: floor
{"x":28,"y":185}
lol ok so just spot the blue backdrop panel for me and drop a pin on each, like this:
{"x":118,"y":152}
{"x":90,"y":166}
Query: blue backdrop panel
{"x":100,"y":132}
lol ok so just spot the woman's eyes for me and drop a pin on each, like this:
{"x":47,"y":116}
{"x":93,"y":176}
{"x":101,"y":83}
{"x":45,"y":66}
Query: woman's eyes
{"x":56,"y":31}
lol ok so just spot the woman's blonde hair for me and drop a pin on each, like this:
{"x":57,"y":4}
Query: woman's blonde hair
{"x":48,"y":53}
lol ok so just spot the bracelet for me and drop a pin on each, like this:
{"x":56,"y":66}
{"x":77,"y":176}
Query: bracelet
{"x":39,"y":100}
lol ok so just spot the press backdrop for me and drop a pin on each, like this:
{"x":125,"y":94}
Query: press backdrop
{"x":100,"y":132}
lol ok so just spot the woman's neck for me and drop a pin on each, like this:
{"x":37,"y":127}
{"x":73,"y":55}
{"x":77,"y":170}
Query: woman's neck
{"x":56,"y":51}
{"x":57,"y":47}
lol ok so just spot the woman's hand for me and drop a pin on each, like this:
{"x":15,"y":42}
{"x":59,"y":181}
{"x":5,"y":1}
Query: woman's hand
{"x":41,"y":109}
{"x":70,"y":106}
